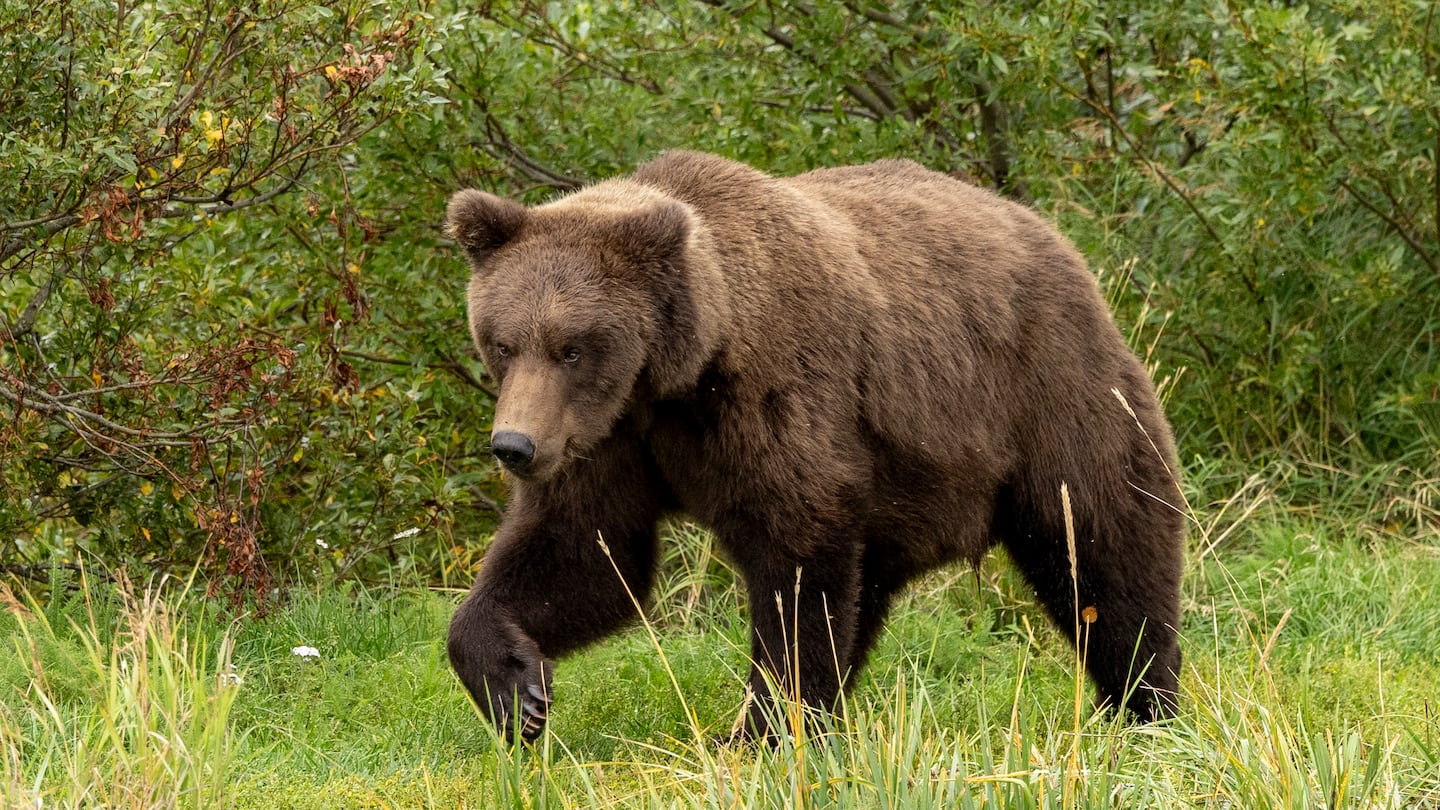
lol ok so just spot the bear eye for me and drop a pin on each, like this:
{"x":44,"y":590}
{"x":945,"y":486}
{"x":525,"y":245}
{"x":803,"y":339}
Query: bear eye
{"x":571,"y":355}
{"x":502,"y":350}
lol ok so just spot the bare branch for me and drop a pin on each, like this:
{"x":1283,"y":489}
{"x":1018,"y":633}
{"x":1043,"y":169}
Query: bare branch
{"x":867,"y":96}
{"x":449,"y":363}
{"x":30,"y":223}
{"x":875,"y":15}
{"x":992,"y":128}
{"x":35,"y":399}
{"x":592,"y":61}
{"x":223,"y":55}
{"x":32,"y":309}
{"x":216,"y":205}
{"x":1164,"y":176}
{"x":1395,"y":225}
{"x":501,"y":147}
{"x":53,"y":226}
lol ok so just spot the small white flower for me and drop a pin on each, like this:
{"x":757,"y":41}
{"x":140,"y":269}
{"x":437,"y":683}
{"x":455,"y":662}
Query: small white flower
{"x":305,"y":652}
{"x":321,"y":543}
{"x":229,"y":678}
{"x":407,"y":533}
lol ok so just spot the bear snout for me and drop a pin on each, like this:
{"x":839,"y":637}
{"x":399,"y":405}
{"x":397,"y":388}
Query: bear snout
{"x":514,"y":449}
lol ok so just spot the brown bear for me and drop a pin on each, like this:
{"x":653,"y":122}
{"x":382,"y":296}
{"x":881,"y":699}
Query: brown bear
{"x":851,"y":376}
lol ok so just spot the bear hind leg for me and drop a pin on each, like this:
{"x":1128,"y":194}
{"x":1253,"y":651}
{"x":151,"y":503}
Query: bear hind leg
{"x":1128,"y":586}
{"x":881,"y":578}
{"x":801,"y":629}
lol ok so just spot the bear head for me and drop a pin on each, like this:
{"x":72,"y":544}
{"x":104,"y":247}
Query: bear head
{"x":576,"y":305}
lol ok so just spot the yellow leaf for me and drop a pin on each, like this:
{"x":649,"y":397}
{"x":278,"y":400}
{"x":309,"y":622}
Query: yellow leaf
{"x":145,"y":532}
{"x":95,"y":375}
{"x":353,"y":268}
{"x":331,"y":73}
{"x":177,"y":161}
{"x":145,"y":489}
{"x":299,"y":452}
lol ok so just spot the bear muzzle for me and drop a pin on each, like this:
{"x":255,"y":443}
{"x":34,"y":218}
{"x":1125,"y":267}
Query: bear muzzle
{"x":533,"y":421}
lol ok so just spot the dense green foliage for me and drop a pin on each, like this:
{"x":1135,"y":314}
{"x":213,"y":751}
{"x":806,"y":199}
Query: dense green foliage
{"x":232,"y":331}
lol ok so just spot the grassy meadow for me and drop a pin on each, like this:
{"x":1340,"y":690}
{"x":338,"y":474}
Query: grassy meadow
{"x":1310,"y":681}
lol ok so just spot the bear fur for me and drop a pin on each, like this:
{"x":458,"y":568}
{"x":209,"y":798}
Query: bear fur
{"x":851,"y":376}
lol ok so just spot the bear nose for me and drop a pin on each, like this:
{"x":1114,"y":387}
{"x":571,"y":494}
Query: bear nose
{"x":515,"y":450}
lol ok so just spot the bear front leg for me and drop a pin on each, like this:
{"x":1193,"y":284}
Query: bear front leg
{"x":802,"y":620}
{"x":501,"y":666}
{"x":547,"y":586}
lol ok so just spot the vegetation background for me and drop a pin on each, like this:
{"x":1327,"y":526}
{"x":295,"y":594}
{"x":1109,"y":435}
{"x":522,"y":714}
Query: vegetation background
{"x":231,"y":328}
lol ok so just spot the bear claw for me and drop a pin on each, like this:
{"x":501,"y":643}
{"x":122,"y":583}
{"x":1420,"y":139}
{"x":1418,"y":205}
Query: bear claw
{"x":533,"y":716}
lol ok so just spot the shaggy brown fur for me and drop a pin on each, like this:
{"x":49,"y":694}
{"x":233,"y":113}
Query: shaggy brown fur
{"x":852,"y":376}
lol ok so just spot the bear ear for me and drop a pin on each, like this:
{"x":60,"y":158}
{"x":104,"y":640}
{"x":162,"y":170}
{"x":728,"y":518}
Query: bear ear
{"x":657,"y":232}
{"x":482,"y":223}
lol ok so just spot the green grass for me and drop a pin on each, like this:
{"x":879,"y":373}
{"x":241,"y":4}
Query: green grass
{"x":1310,"y":681}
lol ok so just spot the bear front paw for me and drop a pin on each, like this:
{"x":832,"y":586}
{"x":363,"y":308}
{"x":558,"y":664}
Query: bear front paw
{"x":504,"y":671}
{"x":520,"y":698}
